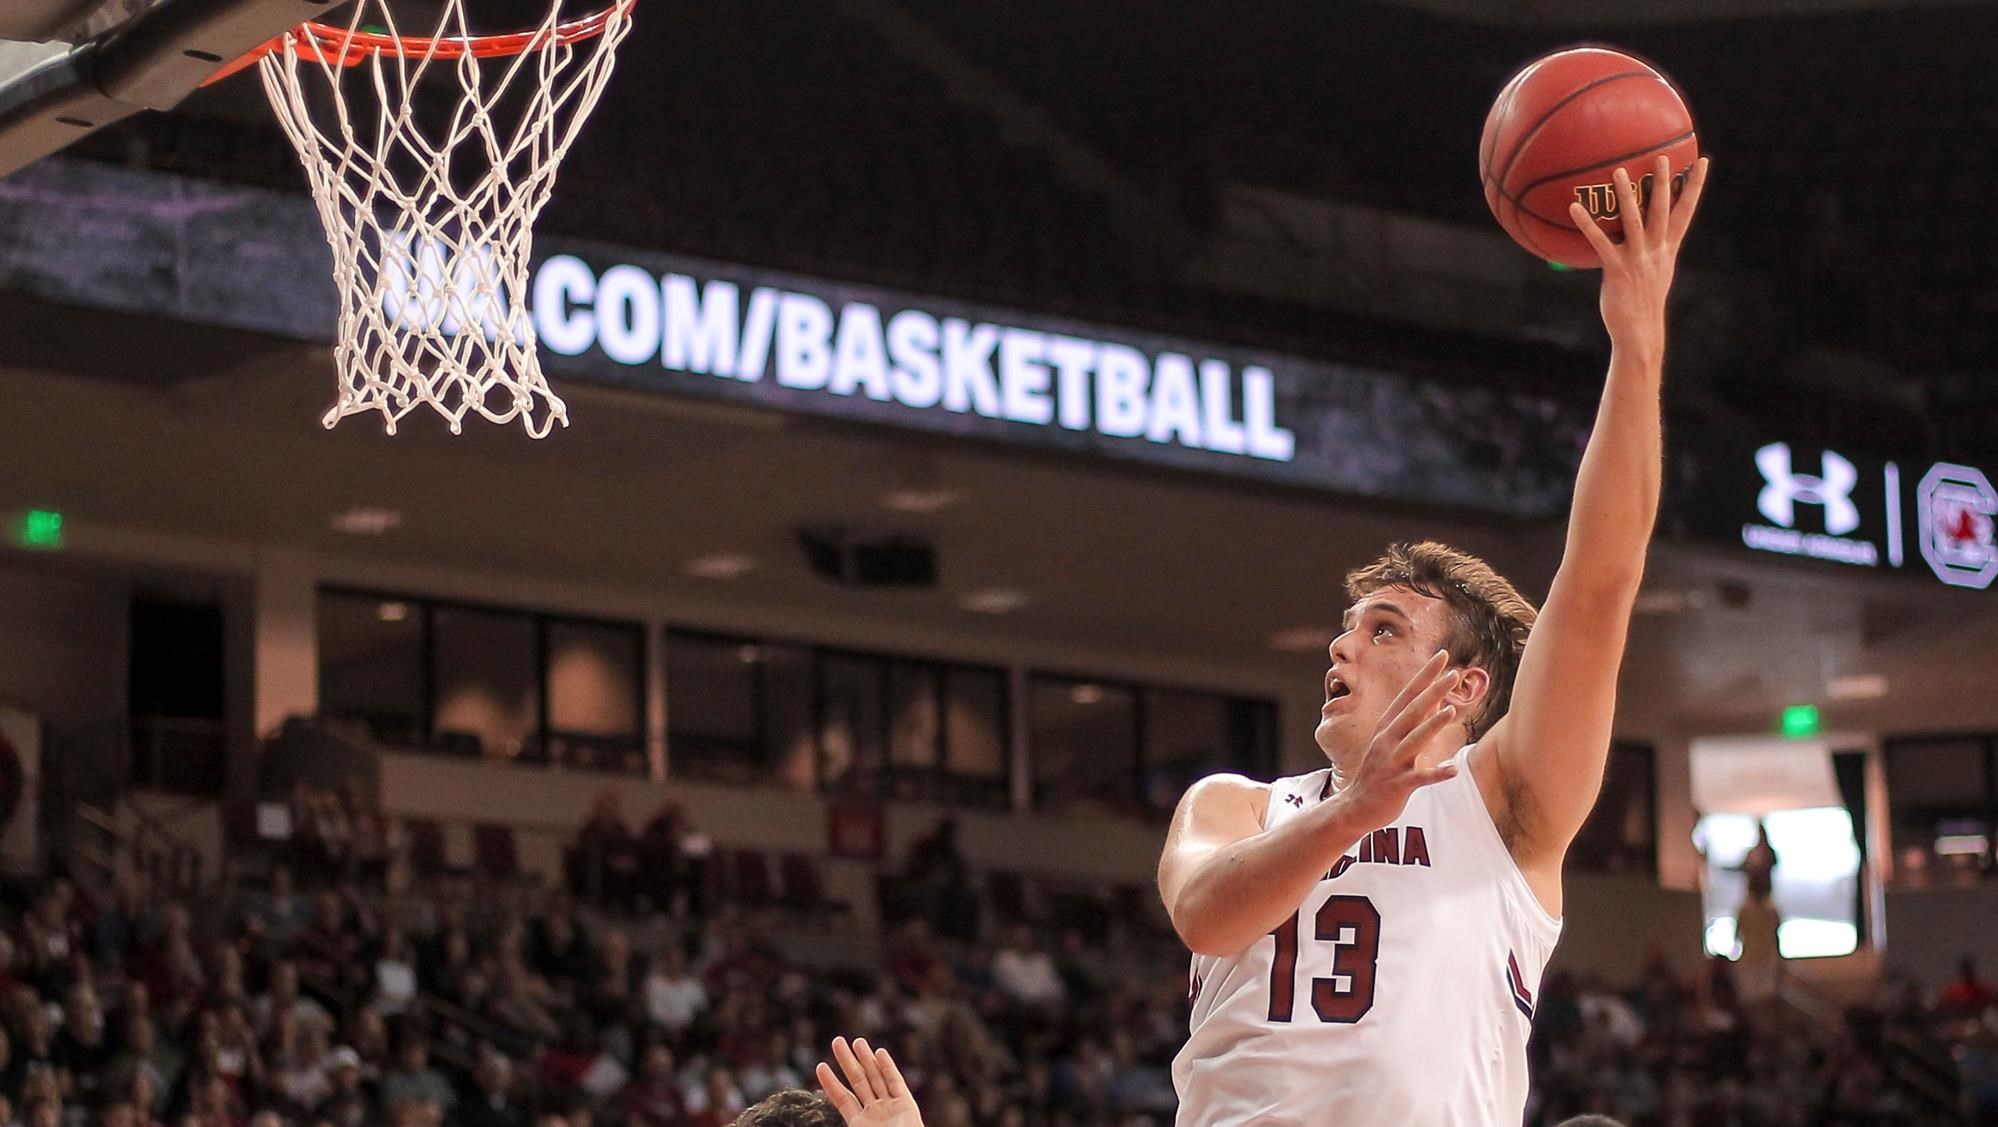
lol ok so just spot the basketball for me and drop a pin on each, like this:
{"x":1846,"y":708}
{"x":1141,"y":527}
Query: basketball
{"x":1559,"y":131}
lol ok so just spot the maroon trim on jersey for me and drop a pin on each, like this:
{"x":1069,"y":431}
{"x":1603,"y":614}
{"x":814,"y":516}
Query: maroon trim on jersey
{"x":1325,"y":791}
{"x":1516,"y":982}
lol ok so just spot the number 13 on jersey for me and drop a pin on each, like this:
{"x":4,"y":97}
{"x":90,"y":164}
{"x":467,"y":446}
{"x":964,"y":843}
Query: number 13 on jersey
{"x":1352,"y":926}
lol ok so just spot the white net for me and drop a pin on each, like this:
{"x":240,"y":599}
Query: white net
{"x":429,"y":165}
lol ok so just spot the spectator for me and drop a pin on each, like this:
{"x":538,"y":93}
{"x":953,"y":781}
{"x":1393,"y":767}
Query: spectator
{"x":212,"y":1101}
{"x":673,"y":996}
{"x":33,"y":1051}
{"x":350,"y":1101}
{"x":237,"y":1054}
{"x":1026,"y":974}
{"x":561,"y":951}
{"x":282,"y":999}
{"x":578,"y":1064}
{"x":522,"y":1000}
{"x":448,"y":954}
{"x":716,"y":1102}
{"x":936,"y":884}
{"x":146,"y":1100}
{"x":226,"y":979}
{"x":394,"y":985}
{"x":739,"y":964}
{"x":281,"y":913}
{"x":329,"y":949}
{"x":606,"y":993}
{"x":118,"y":1113}
{"x":296,"y":1065}
{"x":370,"y":1039}
{"x":1968,"y":994}
{"x":678,"y":856}
{"x":335,"y":833}
{"x":769,"y":1067}
{"x":1758,"y":867}
{"x":43,"y":1111}
{"x":49,"y":944}
{"x":492,"y":1103}
{"x":916,"y":965}
{"x":144,"y":1055}
{"x":128,"y":926}
{"x":79,"y":1048}
{"x":1757,"y":925}
{"x":653,"y":1098}
{"x":413,"y":1081}
{"x":605,"y":860}
{"x":369,"y":834}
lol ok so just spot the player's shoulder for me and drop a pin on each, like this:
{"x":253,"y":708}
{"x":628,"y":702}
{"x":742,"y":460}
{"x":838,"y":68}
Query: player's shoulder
{"x":1226,"y":786}
{"x":1223,"y":791}
{"x":1227,"y":782}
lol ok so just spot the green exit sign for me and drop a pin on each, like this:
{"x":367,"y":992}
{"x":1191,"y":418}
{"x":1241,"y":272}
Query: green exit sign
{"x":41,"y":528}
{"x":1801,"y":721}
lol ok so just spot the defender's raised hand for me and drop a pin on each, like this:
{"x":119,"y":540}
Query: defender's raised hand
{"x":874,"y":1094}
{"x":1637,"y":272}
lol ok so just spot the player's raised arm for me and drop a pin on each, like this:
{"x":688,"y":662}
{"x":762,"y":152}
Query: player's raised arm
{"x":1551,"y":746}
{"x":1226,"y":881}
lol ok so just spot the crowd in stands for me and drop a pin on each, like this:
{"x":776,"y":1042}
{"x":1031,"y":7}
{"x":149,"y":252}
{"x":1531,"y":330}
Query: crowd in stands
{"x":1673,"y":1052}
{"x":346,"y":995}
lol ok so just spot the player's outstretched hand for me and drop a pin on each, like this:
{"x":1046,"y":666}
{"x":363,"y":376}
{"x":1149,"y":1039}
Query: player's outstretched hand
{"x":1379,"y":789}
{"x":874,"y":1094}
{"x":1637,"y":272}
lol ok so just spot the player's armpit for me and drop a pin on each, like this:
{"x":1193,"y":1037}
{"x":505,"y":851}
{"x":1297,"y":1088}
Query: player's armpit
{"x":1551,"y":745}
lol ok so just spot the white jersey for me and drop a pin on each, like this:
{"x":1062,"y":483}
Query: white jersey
{"x":1401,"y":992}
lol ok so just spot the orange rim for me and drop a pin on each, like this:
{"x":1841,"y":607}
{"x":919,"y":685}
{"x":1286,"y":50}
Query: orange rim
{"x":347,"y":47}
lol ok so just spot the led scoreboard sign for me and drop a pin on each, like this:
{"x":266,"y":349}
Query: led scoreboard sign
{"x":134,"y":241}
{"x":1814,"y":502}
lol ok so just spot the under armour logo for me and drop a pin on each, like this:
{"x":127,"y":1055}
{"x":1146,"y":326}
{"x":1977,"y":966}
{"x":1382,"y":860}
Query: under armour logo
{"x":1832,"y":489}
{"x":1294,"y":799}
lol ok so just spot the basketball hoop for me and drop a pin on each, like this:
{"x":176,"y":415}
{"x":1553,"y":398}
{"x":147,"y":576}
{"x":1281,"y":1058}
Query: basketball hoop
{"x":429,"y":208}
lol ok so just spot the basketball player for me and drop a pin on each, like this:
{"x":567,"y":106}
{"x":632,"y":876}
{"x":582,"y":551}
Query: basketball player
{"x":1368,"y":938}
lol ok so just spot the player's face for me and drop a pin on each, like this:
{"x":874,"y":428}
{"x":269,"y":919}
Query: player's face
{"x":1386,"y":637}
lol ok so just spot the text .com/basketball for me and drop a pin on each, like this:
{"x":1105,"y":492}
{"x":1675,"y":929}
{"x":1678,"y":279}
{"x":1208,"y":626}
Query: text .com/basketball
{"x":912,"y":357}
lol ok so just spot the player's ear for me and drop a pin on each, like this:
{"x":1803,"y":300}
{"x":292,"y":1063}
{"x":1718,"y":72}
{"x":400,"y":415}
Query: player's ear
{"x":1469,"y":692}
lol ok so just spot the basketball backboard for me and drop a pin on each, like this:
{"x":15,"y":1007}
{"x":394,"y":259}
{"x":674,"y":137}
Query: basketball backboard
{"x":71,"y":67}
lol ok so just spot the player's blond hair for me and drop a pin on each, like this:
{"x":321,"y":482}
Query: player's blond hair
{"x":1489,"y":618}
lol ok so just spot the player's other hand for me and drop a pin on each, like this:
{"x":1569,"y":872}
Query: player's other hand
{"x":1637,"y":272}
{"x":1388,"y":774}
{"x":874,"y":1094}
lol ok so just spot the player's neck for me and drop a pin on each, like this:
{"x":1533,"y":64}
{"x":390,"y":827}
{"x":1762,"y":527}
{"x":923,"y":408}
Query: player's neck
{"x":1345,"y":761}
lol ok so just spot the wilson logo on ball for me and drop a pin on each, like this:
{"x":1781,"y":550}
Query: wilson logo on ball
{"x":1600,"y":201}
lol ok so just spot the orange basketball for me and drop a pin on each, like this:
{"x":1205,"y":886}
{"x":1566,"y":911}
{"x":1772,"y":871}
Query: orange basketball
{"x":1559,"y":130}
